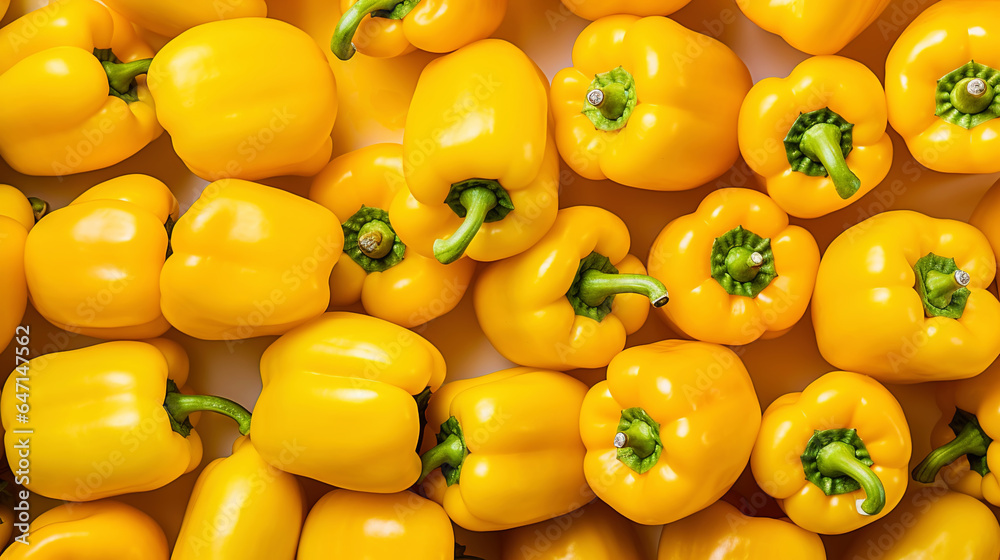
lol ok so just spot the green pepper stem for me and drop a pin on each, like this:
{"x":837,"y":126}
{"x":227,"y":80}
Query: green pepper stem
{"x":639,"y":437}
{"x":121,"y":74}
{"x":38,"y":207}
{"x":596,"y":286}
{"x":375,"y":239}
{"x":838,"y":459}
{"x":342,"y":43}
{"x":970,"y":440}
{"x":610,"y":100}
{"x":451,"y":451}
{"x":940,"y":287}
{"x":478,"y":201}
{"x":972,"y":95}
{"x":180,"y":406}
{"x":821,"y":142}
{"x":743,"y":263}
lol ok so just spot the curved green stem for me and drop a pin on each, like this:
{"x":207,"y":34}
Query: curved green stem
{"x":639,"y":437}
{"x":972,"y":95}
{"x":179,"y":406}
{"x":450,"y":452}
{"x":743,"y":263}
{"x":838,"y":459}
{"x":596,"y":286}
{"x":375,"y":239}
{"x":477,"y":202}
{"x":610,"y":100}
{"x":821,"y":142}
{"x":971,"y":440}
{"x":121,"y":76}
{"x":38,"y":207}
{"x":342,"y":43}
{"x":940,"y":287}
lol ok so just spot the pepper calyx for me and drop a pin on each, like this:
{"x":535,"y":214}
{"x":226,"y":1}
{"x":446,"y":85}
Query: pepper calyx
{"x":966,"y":96}
{"x":942,"y":286}
{"x":610,"y":99}
{"x":638,"y":440}
{"x":734,"y":265}
{"x":122,"y":75}
{"x":180,"y":407}
{"x":818,"y":144}
{"x":353,"y":227}
{"x":477,"y":201}
{"x":342,"y":42}
{"x":970,"y":440}
{"x":449,"y":454}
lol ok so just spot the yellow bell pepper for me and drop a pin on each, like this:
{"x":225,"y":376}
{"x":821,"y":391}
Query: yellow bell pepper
{"x":72,"y":95}
{"x":346,"y":382}
{"x":986,"y":218}
{"x":508,"y":449}
{"x":249,"y":260}
{"x":644,"y":108}
{"x":346,"y":524}
{"x":482,"y":177}
{"x":106,"y":420}
{"x":932,"y":524}
{"x":594,"y":532}
{"x":93,"y":267}
{"x":242,"y":508}
{"x":172,"y":18}
{"x":941,"y":79}
{"x":107,"y":529}
{"x":670,"y":430}
{"x":836,"y":148}
{"x":814,"y":26}
{"x":721,"y":532}
{"x":596,"y":9}
{"x":736,"y":270}
{"x":903,"y":297}
{"x":835,"y":455}
{"x":398,"y":27}
{"x":17,"y":216}
{"x":569,"y":301}
{"x":392,"y":281}
{"x":236,"y":106}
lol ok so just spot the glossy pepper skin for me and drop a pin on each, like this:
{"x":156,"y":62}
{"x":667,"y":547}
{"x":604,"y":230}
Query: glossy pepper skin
{"x":596,"y":9}
{"x":721,"y":532}
{"x":903,"y":297}
{"x":392,"y":281}
{"x":249,"y":260}
{"x":932,"y":524}
{"x":817,"y":139}
{"x":346,"y":382}
{"x":940,"y":81}
{"x":593,"y":532}
{"x":835,"y":455}
{"x":736,"y":270}
{"x":569,"y":301}
{"x":670,"y":430}
{"x":108,"y":419}
{"x":638,"y":108}
{"x":93,"y":267}
{"x":66,"y":55}
{"x":396,"y":28}
{"x":814,"y":26}
{"x":17,"y":217}
{"x":105,"y":529}
{"x":986,"y":217}
{"x":480,"y":169}
{"x":509,"y":449}
{"x":346,"y":524}
{"x":200,"y":82}
{"x":170,"y":18}
{"x":242,"y":508}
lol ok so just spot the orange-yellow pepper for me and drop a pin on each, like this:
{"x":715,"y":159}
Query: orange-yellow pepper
{"x":814,"y":26}
{"x":72,"y":95}
{"x":249,"y":260}
{"x":986,"y":218}
{"x":246,"y":98}
{"x":817,"y":138}
{"x":721,"y":532}
{"x":941,"y":79}
{"x":242,"y":508}
{"x":93,"y":267}
{"x":392,"y":281}
{"x":482,"y":176}
{"x":736,"y":270}
{"x":17,"y":216}
{"x":508,"y":448}
{"x":644,"y":108}
{"x":596,"y":9}
{"x":398,"y":27}
{"x":105,"y":420}
{"x":569,"y":301}
{"x":904,"y":297}
{"x":172,"y":18}
{"x":931,"y":524}
{"x":346,"y":382}
{"x":107,"y":529}
{"x":593,"y":532}
{"x":670,"y":430}
{"x":835,"y":455}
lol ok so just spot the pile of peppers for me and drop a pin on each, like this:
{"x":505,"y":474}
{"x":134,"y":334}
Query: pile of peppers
{"x":361,"y":444}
